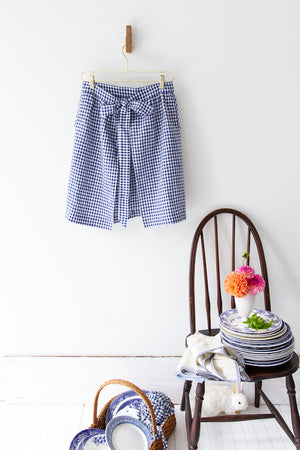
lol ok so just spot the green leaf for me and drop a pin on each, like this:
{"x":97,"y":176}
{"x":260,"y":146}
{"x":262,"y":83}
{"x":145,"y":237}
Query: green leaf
{"x":258,"y":323}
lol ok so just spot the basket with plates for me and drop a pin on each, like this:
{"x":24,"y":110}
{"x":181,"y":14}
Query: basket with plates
{"x":149,"y":413}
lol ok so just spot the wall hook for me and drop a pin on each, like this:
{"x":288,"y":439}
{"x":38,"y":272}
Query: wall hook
{"x":128,"y":41}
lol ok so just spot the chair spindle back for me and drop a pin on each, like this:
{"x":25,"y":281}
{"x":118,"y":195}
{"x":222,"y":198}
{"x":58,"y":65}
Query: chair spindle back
{"x":251,"y":232}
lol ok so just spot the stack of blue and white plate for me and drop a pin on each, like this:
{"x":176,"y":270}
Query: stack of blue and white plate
{"x":270,"y":347}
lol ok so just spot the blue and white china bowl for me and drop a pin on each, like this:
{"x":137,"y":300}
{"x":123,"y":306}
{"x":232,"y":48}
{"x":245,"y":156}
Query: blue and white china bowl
{"x":141,"y":430}
{"x":81,"y":436}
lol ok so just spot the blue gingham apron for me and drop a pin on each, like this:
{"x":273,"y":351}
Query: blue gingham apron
{"x":127,"y":158}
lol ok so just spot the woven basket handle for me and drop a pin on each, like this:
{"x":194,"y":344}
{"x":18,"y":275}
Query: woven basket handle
{"x":135,"y":389}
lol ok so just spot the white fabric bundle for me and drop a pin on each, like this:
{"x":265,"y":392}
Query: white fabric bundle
{"x":206,"y":358}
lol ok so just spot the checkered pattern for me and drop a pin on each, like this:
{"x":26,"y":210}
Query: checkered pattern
{"x":127,"y":158}
{"x":163,"y":408}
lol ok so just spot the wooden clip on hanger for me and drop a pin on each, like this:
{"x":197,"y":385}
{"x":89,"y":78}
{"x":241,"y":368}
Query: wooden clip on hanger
{"x":128,"y":46}
{"x":92,"y":81}
{"x":162,"y":81}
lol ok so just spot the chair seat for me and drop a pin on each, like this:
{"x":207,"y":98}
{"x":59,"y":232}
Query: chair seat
{"x":263,"y":373}
{"x":257,"y":373}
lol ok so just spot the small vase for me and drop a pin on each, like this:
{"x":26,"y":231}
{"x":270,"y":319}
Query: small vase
{"x":245,"y":305}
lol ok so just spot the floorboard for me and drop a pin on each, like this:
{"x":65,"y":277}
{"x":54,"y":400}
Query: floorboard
{"x":48,"y":427}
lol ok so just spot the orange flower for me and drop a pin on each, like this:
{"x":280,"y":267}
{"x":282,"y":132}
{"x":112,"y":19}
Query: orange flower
{"x":236,"y":284}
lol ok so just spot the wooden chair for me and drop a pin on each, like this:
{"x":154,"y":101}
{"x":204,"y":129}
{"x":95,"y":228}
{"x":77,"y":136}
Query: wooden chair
{"x":252,"y":243}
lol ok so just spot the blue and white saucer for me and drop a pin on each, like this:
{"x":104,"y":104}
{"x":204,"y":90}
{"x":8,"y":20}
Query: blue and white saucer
{"x":127,"y":403}
{"x":95,"y":442}
{"x":81,"y":436}
{"x":128,"y":432}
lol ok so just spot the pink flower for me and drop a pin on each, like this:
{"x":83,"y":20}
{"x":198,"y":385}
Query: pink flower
{"x":246,"y":270}
{"x":256,"y":284}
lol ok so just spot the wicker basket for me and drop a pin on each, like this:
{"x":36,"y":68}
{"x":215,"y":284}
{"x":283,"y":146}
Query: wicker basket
{"x":99,"y":420}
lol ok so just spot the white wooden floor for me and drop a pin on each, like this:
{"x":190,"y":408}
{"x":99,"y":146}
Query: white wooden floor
{"x":52,"y":427}
{"x":46,"y":401}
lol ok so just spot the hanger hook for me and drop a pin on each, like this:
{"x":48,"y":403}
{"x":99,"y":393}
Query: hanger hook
{"x":124,"y":46}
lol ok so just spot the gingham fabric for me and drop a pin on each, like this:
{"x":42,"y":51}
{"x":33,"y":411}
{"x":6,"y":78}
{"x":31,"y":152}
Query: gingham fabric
{"x":127,"y":159}
{"x":163,"y":408}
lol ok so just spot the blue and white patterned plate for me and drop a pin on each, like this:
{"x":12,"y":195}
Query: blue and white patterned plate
{"x":232,"y":321}
{"x":81,"y":436}
{"x":266,"y":356}
{"x":255,"y":337}
{"x":283,"y":341}
{"x":141,"y":432}
{"x":95,"y":442}
{"x":261,"y":349}
{"x":270,"y":363}
{"x":126,"y":403}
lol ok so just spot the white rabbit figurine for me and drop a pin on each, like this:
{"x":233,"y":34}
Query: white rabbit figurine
{"x":223,"y":399}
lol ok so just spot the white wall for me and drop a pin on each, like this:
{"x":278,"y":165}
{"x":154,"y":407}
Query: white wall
{"x":73,"y":290}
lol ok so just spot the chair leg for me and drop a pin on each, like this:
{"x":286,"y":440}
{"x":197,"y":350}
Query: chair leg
{"x":195,"y":428}
{"x":290,"y":385}
{"x":258,"y":385}
{"x":186,"y":388}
